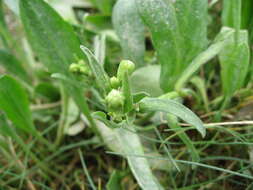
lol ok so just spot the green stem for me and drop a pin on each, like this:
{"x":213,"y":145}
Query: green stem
{"x":64,"y":114}
{"x":200,"y":60}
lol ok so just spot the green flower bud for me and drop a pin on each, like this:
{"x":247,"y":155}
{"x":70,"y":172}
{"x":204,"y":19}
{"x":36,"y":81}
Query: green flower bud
{"x":79,"y":68}
{"x":115,"y":101}
{"x":115,"y":83}
{"x":74,"y":68}
{"x":124,"y":66}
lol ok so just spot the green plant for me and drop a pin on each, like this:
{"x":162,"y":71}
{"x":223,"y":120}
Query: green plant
{"x":84,"y":83}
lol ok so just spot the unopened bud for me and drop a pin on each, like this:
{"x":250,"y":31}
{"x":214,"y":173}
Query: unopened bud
{"x":124,"y":66}
{"x":115,"y":100}
{"x":115,"y":83}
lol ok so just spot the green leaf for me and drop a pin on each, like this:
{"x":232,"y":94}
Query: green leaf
{"x":55,"y":43}
{"x":105,"y":6}
{"x":14,"y":102}
{"x":174,"y":108}
{"x":101,"y":76}
{"x":139,"y":96}
{"x":128,"y":103}
{"x":139,"y":165}
{"x":130,"y":29}
{"x":178,"y":33}
{"x":192,"y":16}
{"x":229,"y":16}
{"x":200,"y":60}
{"x":13,"y":66}
{"x":4,"y":127}
{"x":146,"y":79}
{"x":51,"y":38}
{"x":234,"y":59}
{"x":114,"y":181}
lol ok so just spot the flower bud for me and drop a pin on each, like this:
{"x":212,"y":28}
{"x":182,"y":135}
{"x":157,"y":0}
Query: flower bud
{"x":74,"y":68}
{"x":115,"y":100}
{"x":115,"y":83}
{"x":124,"y":66}
{"x":79,"y":68}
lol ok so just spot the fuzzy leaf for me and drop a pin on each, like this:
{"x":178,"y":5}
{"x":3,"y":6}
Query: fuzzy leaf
{"x":15,"y":104}
{"x":102,"y":78}
{"x":234,"y":59}
{"x":130,"y":29}
{"x":178,"y":33}
{"x":55,"y":43}
{"x":174,"y":108}
{"x":13,"y":66}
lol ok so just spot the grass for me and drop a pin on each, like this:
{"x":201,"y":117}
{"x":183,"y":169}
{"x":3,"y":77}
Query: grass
{"x":126,"y":94}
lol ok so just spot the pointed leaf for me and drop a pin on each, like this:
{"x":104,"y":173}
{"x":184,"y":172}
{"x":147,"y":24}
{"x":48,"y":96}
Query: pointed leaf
{"x":174,"y":108}
{"x":139,"y":165}
{"x":234,"y":59}
{"x":14,"y":102}
{"x":13,"y":66}
{"x":130,"y":29}
{"x":178,"y":33}
{"x":102,"y":78}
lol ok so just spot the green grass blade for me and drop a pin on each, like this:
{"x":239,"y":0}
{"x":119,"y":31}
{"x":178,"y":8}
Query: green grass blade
{"x":175,"y":108}
{"x":130,"y":29}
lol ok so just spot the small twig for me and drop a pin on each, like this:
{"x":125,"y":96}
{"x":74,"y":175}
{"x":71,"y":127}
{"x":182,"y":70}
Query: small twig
{"x":223,"y":123}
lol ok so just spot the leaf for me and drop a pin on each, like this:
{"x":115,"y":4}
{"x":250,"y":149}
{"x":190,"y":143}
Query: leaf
{"x":4,"y":127}
{"x":139,"y":96}
{"x":128,"y":103}
{"x":234,"y":59}
{"x":174,"y":108}
{"x":100,"y":48}
{"x":139,"y":165}
{"x":101,"y":76}
{"x":13,"y":66}
{"x":55,"y":43}
{"x":130,"y":29}
{"x":200,"y":60}
{"x":192,"y":16}
{"x":228,"y":13}
{"x":105,"y":6}
{"x":114,"y":181}
{"x":175,"y":30}
{"x":14,"y":102}
{"x":146,"y":79}
{"x":51,"y":38}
